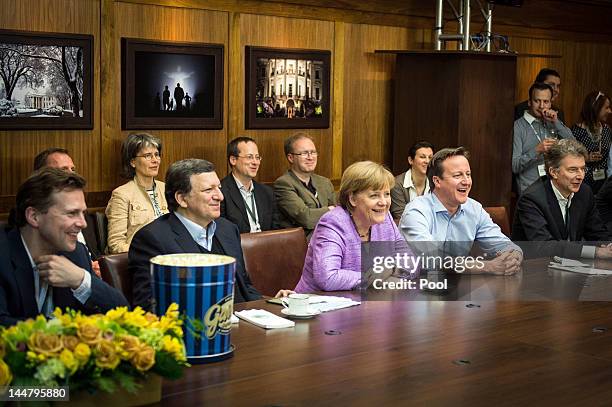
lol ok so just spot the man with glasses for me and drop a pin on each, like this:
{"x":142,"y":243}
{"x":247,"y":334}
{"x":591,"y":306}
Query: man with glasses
{"x":450,"y":222}
{"x":557,"y":213}
{"x":301,"y":195}
{"x":248,"y":204}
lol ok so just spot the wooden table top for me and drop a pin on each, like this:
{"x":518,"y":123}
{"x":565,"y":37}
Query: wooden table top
{"x":433,"y":353}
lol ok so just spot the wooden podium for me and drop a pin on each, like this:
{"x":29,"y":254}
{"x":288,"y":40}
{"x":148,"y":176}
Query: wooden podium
{"x":458,"y":98}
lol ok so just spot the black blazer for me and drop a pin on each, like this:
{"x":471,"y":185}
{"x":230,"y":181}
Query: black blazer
{"x":234,"y":209}
{"x":539,"y":218}
{"x":17,"y":299}
{"x":168,"y":235}
{"x":604,"y":203}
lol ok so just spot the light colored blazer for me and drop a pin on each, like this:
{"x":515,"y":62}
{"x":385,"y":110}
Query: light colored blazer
{"x":129,"y":209}
{"x":400,"y":195}
{"x":297,"y":205}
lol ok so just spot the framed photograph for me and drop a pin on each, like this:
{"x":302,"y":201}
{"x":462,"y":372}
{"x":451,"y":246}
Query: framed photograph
{"x":45,"y":81}
{"x":171,"y":85}
{"x":287,"y":88}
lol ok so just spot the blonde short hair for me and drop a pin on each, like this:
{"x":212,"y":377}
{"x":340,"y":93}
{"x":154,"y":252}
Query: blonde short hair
{"x":361,"y":176}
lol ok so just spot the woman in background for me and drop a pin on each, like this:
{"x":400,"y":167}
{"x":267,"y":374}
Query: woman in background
{"x":413,"y":182}
{"x":593,"y":132}
{"x":141,"y":200}
{"x":333,"y":259}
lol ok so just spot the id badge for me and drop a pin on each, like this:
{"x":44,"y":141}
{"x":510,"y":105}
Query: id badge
{"x":599,"y":174}
{"x":541,"y":170}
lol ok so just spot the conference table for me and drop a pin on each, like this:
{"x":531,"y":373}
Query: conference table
{"x":526,"y":349}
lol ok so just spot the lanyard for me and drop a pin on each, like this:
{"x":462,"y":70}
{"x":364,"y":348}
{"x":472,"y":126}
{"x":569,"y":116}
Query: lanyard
{"x":251,"y":211}
{"x":535,"y":132}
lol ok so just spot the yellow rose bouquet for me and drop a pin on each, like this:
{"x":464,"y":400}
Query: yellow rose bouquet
{"x":93,"y":352}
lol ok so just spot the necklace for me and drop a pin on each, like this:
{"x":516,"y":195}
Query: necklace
{"x":364,"y":235}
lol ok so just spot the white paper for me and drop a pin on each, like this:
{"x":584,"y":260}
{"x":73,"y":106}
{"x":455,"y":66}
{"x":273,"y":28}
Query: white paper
{"x":264,"y":319}
{"x":580,"y":270}
{"x":327,"y":303}
{"x":569,"y":262}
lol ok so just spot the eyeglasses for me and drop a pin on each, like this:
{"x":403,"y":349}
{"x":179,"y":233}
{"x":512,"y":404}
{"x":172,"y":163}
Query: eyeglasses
{"x":251,"y":157}
{"x":313,"y":153}
{"x":149,"y":156}
{"x":599,"y":94}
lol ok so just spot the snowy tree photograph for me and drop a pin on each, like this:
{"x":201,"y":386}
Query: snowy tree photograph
{"x":44,"y":79}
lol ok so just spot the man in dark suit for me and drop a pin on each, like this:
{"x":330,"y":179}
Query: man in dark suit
{"x":193,"y":226}
{"x":248,"y":204}
{"x":557,"y":212}
{"x":301,"y":195}
{"x":43,"y":266}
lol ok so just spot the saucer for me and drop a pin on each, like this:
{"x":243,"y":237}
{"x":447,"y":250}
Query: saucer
{"x":286,"y":312}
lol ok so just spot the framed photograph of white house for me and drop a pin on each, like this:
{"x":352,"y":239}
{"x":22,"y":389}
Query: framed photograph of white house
{"x":287,"y":88}
{"x":168,"y":85}
{"x":45,"y":80}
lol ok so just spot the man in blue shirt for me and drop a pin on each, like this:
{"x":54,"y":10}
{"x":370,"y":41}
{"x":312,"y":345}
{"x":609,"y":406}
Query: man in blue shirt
{"x":449,"y":220}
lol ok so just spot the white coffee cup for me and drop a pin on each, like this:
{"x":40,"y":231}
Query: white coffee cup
{"x":296,"y":304}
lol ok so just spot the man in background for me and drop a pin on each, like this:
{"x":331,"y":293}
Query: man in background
{"x":552,"y":79}
{"x":534,"y":134}
{"x":301,"y":195}
{"x":248,"y":204}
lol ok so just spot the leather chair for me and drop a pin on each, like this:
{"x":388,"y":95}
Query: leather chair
{"x":500,"y":217}
{"x":114,"y":270}
{"x":274,"y":259}
{"x":101,"y":226}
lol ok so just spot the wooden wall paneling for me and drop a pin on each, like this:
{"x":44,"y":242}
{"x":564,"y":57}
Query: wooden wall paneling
{"x":164,"y":24}
{"x":338,"y":101}
{"x":368,"y":89}
{"x":18,"y":148}
{"x":353,"y":12}
{"x":280,"y":32}
{"x":453,"y":99}
{"x":485,"y":128}
{"x":583,"y":66}
{"x":553,"y":19}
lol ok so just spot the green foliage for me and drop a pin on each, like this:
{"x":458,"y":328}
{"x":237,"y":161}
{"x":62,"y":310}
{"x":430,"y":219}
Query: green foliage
{"x":18,"y":363}
{"x":166,"y":366}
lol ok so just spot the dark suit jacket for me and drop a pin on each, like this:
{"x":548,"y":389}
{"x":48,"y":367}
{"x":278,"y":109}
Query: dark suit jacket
{"x":604,"y":203}
{"x":297,"y":205}
{"x":233,"y":207}
{"x":538,"y":218}
{"x":168,"y":235}
{"x":17,"y":298}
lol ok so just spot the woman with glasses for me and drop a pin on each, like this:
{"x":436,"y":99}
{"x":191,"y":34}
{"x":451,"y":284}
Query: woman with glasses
{"x":140,"y":200}
{"x":593,"y":132}
{"x":333,"y":259}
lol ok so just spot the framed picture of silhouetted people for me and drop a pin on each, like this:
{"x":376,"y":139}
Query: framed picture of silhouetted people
{"x":45,"y":81}
{"x":287,"y":88}
{"x":171,"y":85}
